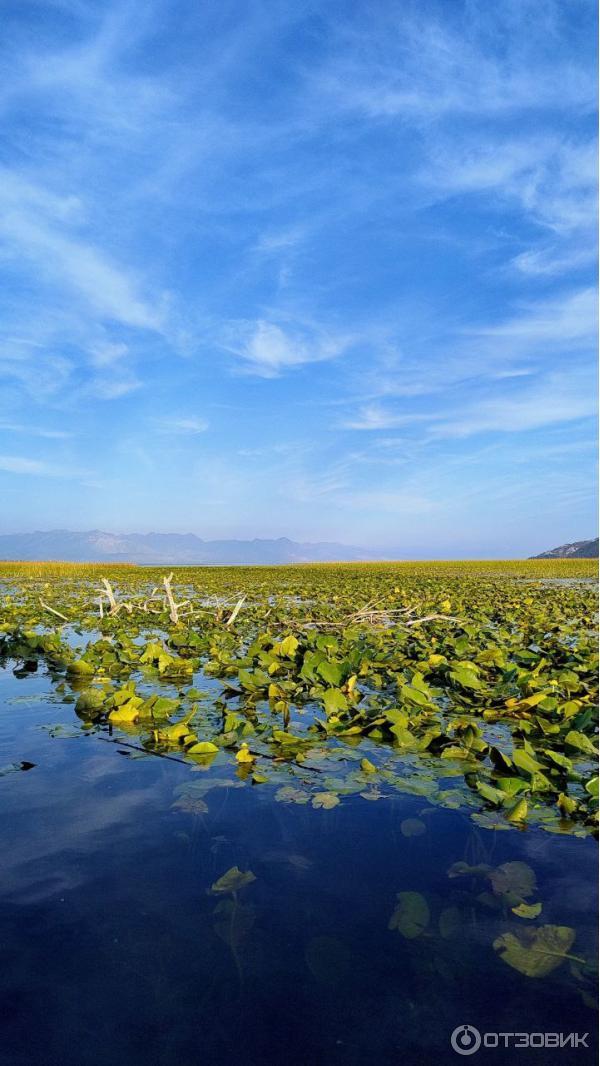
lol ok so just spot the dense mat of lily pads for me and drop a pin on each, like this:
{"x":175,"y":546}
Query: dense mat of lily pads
{"x":473,"y":685}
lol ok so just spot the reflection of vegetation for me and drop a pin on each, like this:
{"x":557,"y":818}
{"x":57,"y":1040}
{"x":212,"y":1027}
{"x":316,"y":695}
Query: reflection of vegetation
{"x":472,"y":685}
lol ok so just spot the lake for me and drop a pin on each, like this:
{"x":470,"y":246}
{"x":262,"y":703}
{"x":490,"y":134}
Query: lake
{"x":115,"y":950}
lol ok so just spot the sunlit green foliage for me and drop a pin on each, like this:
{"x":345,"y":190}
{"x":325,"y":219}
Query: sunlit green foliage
{"x":473,"y":685}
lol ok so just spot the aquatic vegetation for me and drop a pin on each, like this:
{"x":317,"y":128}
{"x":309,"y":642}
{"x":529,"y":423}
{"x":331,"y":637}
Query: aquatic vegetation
{"x":473,"y":685}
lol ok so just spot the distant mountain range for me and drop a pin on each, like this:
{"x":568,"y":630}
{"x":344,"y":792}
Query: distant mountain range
{"x":580,"y":549}
{"x":177,"y":548}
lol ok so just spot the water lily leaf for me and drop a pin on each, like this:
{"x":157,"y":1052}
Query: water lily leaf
{"x":334,"y":701}
{"x":591,"y":786}
{"x":367,"y":767}
{"x":559,"y":760}
{"x":412,"y":827}
{"x":287,"y":647}
{"x":526,"y":762}
{"x":566,"y":804}
{"x":414,"y":695}
{"x":512,"y":785}
{"x":90,"y":700}
{"x":128,"y":712}
{"x":581,"y":742}
{"x":465,"y":678}
{"x":326,"y":800}
{"x":527,"y":910}
{"x":244,"y":755}
{"x":513,"y":879}
{"x":536,"y":952}
{"x":332,"y":673}
{"x":492,"y":795}
{"x":287,"y":794}
{"x":232,"y":881}
{"x":190,"y":803}
{"x":203,"y":747}
{"x":517,"y":813}
{"x":80,"y":668}
{"x":411,"y":915}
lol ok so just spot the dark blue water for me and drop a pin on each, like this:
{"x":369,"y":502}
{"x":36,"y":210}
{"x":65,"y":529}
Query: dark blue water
{"x":115,"y":952}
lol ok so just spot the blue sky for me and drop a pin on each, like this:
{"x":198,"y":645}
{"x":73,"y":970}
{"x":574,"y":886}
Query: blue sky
{"x":323,"y":270}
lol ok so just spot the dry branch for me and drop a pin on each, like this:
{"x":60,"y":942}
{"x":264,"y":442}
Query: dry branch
{"x":235,"y":612}
{"x":47,"y":607}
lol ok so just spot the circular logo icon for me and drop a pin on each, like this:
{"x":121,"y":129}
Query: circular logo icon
{"x":466,"y":1040}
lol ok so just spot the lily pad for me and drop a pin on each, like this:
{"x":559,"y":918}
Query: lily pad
{"x":536,"y":952}
{"x":411,"y":915}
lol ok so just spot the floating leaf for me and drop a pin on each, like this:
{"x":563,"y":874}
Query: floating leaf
{"x":288,"y":794}
{"x":581,"y":742}
{"x":334,"y":701}
{"x":326,"y":800}
{"x":518,"y":812}
{"x":244,"y":755}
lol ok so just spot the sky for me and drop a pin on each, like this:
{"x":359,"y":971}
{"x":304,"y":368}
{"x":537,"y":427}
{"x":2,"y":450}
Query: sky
{"x":318,"y":269}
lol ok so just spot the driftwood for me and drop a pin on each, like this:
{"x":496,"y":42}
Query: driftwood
{"x":371,"y":614}
{"x":47,"y":607}
{"x":235,"y":612}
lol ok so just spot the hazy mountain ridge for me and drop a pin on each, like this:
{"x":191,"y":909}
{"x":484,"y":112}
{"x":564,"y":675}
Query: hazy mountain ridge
{"x":99,"y":546}
{"x":579,"y":549}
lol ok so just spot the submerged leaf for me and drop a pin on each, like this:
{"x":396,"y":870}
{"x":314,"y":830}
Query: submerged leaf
{"x":536,"y":952}
{"x":412,"y":827}
{"x":513,"y":879}
{"x":527,"y":910}
{"x":411,"y":915}
{"x":232,"y":881}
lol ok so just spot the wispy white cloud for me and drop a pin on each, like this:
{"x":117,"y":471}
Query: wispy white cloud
{"x":16,"y":464}
{"x":398,"y":65}
{"x":560,"y":397}
{"x":375,"y":417}
{"x":181,"y":425}
{"x":109,"y":289}
{"x":267,"y":349}
{"x":35,"y":431}
{"x":566,"y":319}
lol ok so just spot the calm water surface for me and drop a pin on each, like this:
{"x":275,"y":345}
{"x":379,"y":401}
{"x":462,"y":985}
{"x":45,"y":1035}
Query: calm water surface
{"x":115,"y":952}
